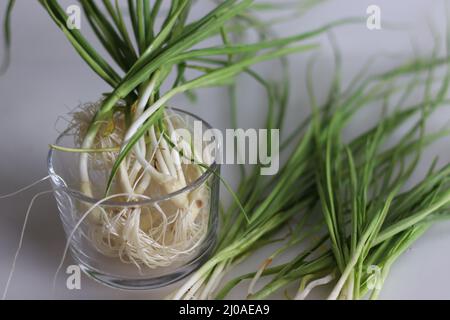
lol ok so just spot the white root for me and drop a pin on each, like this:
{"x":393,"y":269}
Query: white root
{"x":264,"y":265}
{"x":12,"y":194}
{"x":301,"y":295}
{"x":22,"y":234}
{"x":189,"y":285}
{"x":213,"y":281}
{"x":197,"y":287}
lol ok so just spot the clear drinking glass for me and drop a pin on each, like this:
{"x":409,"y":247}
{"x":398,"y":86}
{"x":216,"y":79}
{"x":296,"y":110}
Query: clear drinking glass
{"x":107,"y":267}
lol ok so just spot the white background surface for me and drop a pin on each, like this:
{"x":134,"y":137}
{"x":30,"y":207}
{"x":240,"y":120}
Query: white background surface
{"x":47,"y":79}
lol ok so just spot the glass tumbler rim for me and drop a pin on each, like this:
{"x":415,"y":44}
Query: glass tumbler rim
{"x":111,"y":203}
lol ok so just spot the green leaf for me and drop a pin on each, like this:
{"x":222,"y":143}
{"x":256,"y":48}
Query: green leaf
{"x":81,"y":45}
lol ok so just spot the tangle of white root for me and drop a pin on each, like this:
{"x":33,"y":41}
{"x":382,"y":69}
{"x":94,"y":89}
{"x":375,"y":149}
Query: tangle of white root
{"x":78,"y":224}
{"x":22,"y":234}
{"x":301,"y":295}
{"x":156,"y":235}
